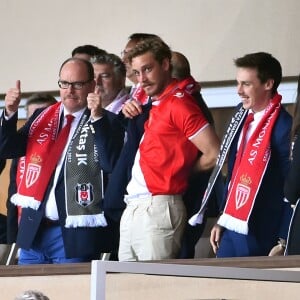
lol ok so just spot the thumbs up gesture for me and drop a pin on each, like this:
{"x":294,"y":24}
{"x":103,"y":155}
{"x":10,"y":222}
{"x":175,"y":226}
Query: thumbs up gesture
{"x":94,"y":103}
{"x":12,"y":99}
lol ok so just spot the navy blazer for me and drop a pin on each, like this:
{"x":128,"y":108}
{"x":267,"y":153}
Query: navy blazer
{"x":292,"y":193}
{"x":116,"y":188}
{"x":78,"y":242}
{"x":12,"y":210}
{"x":270,"y":215}
{"x":292,"y":186}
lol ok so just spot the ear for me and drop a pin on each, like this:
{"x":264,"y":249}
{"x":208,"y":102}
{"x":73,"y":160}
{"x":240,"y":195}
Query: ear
{"x":166,"y":64}
{"x":269,"y":84}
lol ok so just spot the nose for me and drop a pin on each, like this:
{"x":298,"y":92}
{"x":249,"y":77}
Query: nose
{"x":239,"y":88}
{"x":70,"y":88}
{"x":98,"y":80}
{"x":142,"y":77}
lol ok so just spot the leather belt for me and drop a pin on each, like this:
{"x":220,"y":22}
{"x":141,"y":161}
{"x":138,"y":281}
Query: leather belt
{"x":49,"y":223}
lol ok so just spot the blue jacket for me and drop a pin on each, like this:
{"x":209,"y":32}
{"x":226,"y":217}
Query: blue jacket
{"x":270,"y":215}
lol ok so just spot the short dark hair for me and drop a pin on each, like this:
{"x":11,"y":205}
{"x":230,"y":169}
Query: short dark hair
{"x":139,"y":36}
{"x":89,"y":66}
{"x":40,"y":98}
{"x":267,"y":66}
{"x":156,"y":46}
{"x":113,"y":60}
{"x":88,"y":49}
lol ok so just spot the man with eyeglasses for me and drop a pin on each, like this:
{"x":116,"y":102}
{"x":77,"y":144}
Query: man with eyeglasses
{"x":110,"y":75}
{"x":61,"y":191}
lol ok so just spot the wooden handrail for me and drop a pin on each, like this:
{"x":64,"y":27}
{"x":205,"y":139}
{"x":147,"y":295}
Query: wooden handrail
{"x":261,"y":262}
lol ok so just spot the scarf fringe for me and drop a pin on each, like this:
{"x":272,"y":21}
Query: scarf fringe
{"x":25,"y":201}
{"x":233,"y":224}
{"x":196,"y":219}
{"x":86,"y":221}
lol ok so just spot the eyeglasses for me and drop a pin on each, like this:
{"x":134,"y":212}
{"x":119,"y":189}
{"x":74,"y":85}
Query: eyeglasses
{"x":77,"y":85}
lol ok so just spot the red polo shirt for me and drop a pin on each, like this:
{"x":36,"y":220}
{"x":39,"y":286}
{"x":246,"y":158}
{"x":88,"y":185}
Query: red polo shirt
{"x":166,"y":153}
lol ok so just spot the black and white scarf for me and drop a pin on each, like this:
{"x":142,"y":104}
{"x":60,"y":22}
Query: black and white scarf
{"x":232,"y":130}
{"x":83,"y":179}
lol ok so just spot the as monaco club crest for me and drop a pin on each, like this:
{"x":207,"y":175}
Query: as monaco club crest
{"x":242,"y":191}
{"x":33,"y":170}
{"x":84,"y":194}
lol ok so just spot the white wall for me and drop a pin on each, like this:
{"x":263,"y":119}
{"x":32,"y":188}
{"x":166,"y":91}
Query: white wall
{"x":38,"y":35}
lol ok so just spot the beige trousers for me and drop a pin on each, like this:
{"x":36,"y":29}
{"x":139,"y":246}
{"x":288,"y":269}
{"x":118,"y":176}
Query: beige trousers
{"x":151,"y":228}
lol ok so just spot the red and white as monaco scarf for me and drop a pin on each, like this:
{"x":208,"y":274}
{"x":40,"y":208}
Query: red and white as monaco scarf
{"x":245,"y":185}
{"x":31,"y":180}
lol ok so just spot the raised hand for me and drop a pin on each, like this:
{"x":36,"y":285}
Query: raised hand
{"x":12,"y":99}
{"x":94,"y":103}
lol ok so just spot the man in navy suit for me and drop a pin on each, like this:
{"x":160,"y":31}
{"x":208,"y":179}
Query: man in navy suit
{"x":254,"y":215}
{"x":62,"y":216}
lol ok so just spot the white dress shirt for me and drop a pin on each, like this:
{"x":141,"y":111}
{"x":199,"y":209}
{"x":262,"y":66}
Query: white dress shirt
{"x":51,"y":208}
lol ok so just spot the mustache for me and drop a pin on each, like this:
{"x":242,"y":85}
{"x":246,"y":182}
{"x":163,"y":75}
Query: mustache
{"x":145,"y":84}
{"x":70,"y":96}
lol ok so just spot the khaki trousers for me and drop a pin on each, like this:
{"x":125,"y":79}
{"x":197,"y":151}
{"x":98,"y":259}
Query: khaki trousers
{"x":152,"y":227}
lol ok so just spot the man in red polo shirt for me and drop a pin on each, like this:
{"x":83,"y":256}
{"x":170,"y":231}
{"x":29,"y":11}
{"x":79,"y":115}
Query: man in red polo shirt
{"x":175,"y":134}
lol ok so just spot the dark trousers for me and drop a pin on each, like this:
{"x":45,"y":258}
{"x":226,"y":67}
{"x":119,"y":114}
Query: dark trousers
{"x":234,"y":244}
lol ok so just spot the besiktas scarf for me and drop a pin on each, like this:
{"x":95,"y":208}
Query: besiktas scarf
{"x":84,"y":179}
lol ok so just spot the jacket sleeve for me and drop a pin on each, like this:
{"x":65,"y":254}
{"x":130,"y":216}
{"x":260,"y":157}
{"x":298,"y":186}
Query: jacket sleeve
{"x":282,"y":148}
{"x":109,"y":137}
{"x":292,"y":186}
{"x":13,"y":142}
